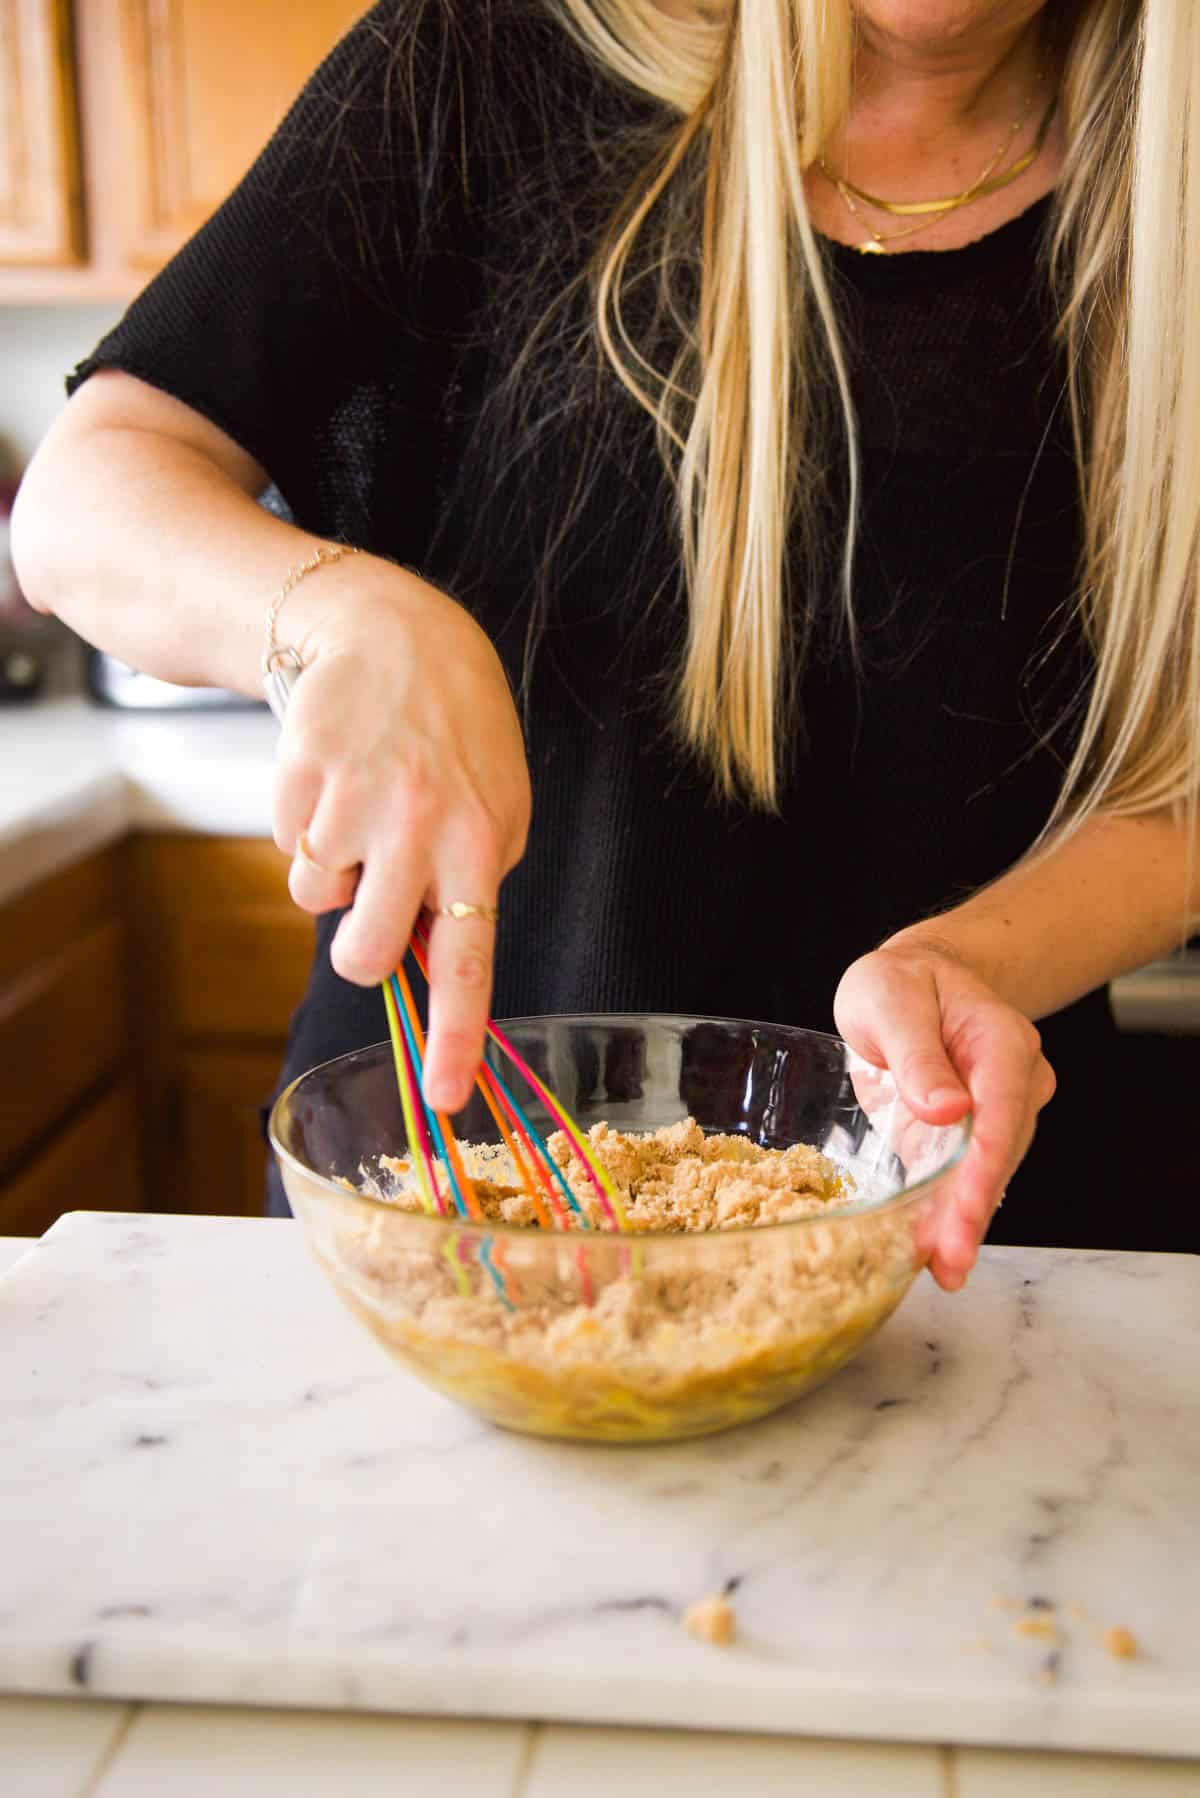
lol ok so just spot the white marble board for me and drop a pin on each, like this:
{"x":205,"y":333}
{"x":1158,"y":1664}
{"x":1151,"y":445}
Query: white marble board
{"x":217,"y":1487}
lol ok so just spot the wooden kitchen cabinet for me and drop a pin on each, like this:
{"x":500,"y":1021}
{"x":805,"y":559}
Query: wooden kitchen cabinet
{"x":175,"y":99}
{"x":62,"y":1031}
{"x":222,"y":960}
{"x":206,"y":85}
{"x":221,"y":1158}
{"x":68,"y":1130}
{"x":92,"y":1163}
{"x":144,"y":1001}
{"x":41,"y":219}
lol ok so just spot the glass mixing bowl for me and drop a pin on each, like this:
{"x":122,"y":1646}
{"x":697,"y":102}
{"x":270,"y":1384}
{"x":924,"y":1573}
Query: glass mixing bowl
{"x":627,"y":1337}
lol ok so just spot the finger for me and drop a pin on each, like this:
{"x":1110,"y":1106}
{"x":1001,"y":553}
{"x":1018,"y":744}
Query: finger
{"x":323,"y":876}
{"x":896,"y":1019}
{"x":967,"y":1217}
{"x":980,"y":1185}
{"x":1009,"y":1083}
{"x":298,"y":784}
{"x":461,"y":962}
{"x":320,"y":889}
{"x":372,"y":939}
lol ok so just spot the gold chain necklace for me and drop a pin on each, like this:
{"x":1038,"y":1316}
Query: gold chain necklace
{"x":930,"y":211}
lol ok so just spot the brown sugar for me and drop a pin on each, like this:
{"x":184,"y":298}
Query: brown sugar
{"x":675,"y":1178}
{"x":711,"y":1620}
{"x":593,"y":1333}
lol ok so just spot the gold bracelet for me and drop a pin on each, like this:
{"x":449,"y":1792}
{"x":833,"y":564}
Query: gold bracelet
{"x":282,"y":665}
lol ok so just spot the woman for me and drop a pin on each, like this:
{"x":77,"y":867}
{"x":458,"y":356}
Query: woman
{"x":848,"y":599}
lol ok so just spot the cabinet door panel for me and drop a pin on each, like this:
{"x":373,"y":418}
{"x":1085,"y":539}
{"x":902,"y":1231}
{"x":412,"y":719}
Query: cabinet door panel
{"x":207,"y":85}
{"x":91,"y":1165}
{"x":222,"y":948}
{"x":220,"y":959}
{"x":41,"y":221}
{"x":242,"y":972}
{"x":222,"y":1158}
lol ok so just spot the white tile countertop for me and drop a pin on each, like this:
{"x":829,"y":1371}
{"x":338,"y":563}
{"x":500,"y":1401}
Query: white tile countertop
{"x":64,"y":1748}
{"x":76,"y":776}
{"x":115,"y":1749}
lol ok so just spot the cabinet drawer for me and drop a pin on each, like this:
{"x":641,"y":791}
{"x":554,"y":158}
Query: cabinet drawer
{"x":62,"y":1030}
{"x":91,"y":1165}
{"x":57,"y":912}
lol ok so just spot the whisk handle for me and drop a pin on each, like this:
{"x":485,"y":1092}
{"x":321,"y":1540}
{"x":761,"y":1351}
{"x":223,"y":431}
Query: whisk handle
{"x":280,"y":672}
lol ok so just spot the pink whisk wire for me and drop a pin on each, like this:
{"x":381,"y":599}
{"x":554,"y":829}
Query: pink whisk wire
{"x":488,"y":1077}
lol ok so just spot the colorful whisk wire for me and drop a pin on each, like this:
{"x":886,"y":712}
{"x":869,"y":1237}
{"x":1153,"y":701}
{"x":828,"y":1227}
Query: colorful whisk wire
{"x":493,"y":1086}
{"x":432,"y":1142}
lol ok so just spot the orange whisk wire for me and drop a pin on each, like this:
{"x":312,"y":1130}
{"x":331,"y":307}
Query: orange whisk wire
{"x":599,"y":1178}
{"x":525,"y":1173}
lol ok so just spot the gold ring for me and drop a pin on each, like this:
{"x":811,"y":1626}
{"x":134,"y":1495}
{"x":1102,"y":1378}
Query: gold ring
{"x":304,"y":851}
{"x":458,"y":908}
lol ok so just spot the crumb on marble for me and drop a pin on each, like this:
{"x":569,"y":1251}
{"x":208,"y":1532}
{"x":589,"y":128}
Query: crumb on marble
{"x":1039,"y":1624}
{"x":1048,"y":1671}
{"x":984,"y":1645}
{"x":1077,"y":1611}
{"x":1004,"y":1603}
{"x":711,"y":1620}
{"x":1120,"y":1642}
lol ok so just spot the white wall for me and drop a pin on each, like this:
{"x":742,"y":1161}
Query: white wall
{"x":38,"y":347}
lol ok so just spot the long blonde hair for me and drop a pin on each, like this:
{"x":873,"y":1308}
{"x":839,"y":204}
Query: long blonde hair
{"x":758,"y":89}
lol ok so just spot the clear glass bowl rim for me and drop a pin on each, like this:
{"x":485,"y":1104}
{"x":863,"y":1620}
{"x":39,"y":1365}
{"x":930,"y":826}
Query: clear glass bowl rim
{"x":858,"y":1208}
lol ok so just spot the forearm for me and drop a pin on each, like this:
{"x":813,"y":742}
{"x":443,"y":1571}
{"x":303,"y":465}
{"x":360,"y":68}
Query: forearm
{"x":1107,"y":899}
{"x":149,"y":541}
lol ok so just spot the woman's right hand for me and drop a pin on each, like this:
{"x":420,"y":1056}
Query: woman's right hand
{"x":402,"y":761}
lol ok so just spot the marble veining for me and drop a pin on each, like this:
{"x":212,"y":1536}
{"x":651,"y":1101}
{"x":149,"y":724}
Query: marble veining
{"x":217,"y":1487}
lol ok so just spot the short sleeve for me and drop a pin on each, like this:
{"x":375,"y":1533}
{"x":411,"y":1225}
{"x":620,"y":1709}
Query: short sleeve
{"x":312,"y":317}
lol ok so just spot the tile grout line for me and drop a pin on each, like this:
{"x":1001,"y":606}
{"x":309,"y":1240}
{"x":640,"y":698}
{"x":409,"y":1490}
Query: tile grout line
{"x":948,"y":1761}
{"x":525,"y":1763}
{"x":116,"y":1742}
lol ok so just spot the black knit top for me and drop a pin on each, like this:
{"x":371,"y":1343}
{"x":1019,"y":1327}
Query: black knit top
{"x":350,"y":317}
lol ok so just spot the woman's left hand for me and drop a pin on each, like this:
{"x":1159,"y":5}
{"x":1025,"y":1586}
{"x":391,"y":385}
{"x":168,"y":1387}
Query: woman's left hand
{"x":952,"y":1045}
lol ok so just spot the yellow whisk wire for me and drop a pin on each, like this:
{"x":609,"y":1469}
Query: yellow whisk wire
{"x":428,"y":1188}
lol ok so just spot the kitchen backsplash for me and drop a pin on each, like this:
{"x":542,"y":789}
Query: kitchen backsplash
{"x":38,"y":345}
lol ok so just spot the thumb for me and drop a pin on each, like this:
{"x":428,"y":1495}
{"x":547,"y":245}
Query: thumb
{"x":893,"y":1017}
